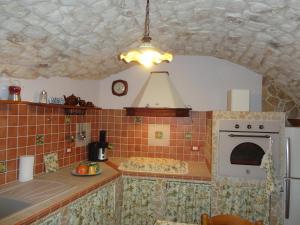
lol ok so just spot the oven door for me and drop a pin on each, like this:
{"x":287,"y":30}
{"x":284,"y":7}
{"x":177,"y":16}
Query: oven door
{"x":240,"y":153}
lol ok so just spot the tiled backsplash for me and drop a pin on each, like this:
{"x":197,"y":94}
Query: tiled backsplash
{"x":130,"y":137}
{"x":34,"y":130}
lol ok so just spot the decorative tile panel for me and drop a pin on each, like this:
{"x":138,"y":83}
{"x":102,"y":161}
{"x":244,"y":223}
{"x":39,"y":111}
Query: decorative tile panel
{"x":158,"y":134}
{"x":2,"y":167}
{"x":51,"y":162}
{"x":39,"y":139}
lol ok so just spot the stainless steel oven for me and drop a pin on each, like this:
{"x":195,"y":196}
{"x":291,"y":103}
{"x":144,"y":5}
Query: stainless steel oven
{"x":242,"y":145}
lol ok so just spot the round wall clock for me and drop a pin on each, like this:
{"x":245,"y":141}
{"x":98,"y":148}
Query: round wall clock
{"x":119,"y":87}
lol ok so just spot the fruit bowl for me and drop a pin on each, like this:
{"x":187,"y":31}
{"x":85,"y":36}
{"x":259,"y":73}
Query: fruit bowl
{"x":83,"y":175}
{"x":87,"y":169}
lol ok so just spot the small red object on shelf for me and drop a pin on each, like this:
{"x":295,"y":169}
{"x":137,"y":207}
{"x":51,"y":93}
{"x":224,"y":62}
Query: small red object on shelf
{"x":14,"y":93}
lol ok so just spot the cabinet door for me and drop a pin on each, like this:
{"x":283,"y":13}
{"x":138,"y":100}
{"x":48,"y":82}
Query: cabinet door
{"x":185,"y":202}
{"x":250,"y":202}
{"x":95,"y":208}
{"x":138,"y":207}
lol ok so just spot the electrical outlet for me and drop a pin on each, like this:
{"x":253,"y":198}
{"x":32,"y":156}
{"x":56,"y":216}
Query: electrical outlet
{"x":195,"y":148}
{"x":69,"y":150}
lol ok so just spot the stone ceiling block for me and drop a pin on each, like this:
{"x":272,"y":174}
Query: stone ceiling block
{"x":80,"y":38}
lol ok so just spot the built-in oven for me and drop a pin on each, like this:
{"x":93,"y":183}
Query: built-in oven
{"x":242,"y":145}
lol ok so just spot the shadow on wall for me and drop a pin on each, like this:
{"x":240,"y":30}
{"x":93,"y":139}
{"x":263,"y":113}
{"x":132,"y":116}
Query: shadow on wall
{"x":276,"y":100}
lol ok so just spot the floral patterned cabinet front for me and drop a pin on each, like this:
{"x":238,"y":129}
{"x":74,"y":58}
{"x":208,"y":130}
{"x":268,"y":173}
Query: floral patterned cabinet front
{"x":246,"y":200}
{"x":97,"y":207}
{"x":147,"y":200}
{"x":138,"y":206}
{"x":185,"y":201}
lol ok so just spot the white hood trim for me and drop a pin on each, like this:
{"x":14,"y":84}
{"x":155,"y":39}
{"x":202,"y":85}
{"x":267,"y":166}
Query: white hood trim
{"x":158,"y":92}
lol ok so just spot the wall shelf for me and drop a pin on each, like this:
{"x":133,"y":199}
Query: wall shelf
{"x":158,"y":112}
{"x":69,"y":109}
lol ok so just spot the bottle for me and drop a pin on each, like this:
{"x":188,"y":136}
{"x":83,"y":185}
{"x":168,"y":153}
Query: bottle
{"x":43,"y":97}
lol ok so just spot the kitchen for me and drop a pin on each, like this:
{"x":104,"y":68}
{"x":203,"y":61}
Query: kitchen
{"x":201,"y":81}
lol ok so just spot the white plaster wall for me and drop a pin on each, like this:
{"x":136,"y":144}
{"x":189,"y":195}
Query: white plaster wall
{"x":201,"y":81}
{"x":57,"y":87}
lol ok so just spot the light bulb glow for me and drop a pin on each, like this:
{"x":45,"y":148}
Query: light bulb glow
{"x":146,"y":55}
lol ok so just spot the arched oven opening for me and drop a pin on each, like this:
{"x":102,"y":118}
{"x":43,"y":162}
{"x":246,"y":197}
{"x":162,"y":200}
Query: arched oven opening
{"x":247,"y":153}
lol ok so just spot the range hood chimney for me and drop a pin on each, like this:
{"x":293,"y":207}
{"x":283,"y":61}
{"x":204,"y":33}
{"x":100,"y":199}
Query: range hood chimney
{"x":158,"y":97}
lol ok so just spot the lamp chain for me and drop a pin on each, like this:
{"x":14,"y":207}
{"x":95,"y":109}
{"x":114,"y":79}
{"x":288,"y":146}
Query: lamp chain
{"x":147,"y":37}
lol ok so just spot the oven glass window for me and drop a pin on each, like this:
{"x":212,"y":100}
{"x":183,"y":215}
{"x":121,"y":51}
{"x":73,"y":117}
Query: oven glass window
{"x":247,"y":153}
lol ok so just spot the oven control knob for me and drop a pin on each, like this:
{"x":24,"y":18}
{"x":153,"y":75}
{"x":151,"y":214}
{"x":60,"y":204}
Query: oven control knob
{"x":261,"y":127}
{"x":237,"y":126}
{"x":249,"y":126}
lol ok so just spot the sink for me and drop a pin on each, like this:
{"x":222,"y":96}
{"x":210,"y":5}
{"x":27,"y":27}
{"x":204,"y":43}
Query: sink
{"x":22,"y":195}
{"x":35,"y":191}
{"x":9,"y":206}
{"x":154,"y":165}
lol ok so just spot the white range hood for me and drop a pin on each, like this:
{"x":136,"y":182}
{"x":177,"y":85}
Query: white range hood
{"x":158,"y":92}
{"x":158,"y":97}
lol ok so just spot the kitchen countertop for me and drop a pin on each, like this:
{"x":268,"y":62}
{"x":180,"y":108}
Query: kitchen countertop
{"x":69,"y":188}
{"x":196,"y":170}
{"x":75,"y":187}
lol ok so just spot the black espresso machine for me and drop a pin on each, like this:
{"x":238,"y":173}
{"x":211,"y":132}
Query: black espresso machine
{"x":98,"y":150}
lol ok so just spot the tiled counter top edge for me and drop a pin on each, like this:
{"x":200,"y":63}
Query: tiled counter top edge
{"x":38,"y":211}
{"x":198,"y":171}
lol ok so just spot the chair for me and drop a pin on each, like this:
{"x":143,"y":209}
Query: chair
{"x":226,"y":220}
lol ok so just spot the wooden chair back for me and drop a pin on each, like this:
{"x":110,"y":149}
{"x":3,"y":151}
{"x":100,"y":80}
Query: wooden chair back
{"x":226,"y":220}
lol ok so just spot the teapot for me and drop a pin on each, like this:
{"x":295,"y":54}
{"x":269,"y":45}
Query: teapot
{"x":81,"y":102}
{"x":71,"y":100}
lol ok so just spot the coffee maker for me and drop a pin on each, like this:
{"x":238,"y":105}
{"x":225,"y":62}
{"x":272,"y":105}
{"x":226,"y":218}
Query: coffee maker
{"x":97,"y":151}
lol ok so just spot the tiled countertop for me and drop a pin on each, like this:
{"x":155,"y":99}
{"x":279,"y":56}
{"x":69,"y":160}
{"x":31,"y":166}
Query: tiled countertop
{"x":196,"y":170}
{"x":75,"y":187}
{"x":72,"y":187}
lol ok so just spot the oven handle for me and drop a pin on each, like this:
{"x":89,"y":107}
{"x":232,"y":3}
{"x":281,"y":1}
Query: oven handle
{"x":243,"y":135}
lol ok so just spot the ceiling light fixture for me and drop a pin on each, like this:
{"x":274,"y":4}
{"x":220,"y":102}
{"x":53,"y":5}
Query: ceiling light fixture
{"x":146,"y":54}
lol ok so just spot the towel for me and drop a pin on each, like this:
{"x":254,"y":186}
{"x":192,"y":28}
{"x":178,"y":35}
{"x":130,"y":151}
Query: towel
{"x":267,"y":165}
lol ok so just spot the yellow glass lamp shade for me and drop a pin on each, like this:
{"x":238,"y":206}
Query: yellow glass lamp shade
{"x":146,"y":55}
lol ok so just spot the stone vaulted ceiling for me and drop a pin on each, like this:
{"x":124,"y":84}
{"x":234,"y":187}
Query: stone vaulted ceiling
{"x":82,"y":38}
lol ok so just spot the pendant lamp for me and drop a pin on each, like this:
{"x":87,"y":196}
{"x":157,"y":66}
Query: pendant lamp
{"x":146,"y":54}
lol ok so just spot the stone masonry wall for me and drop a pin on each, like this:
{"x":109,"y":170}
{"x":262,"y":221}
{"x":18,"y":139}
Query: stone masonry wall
{"x":274,"y":99}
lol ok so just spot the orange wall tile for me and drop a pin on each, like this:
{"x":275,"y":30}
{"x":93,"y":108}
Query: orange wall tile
{"x":130,"y":138}
{"x":20,"y":123}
